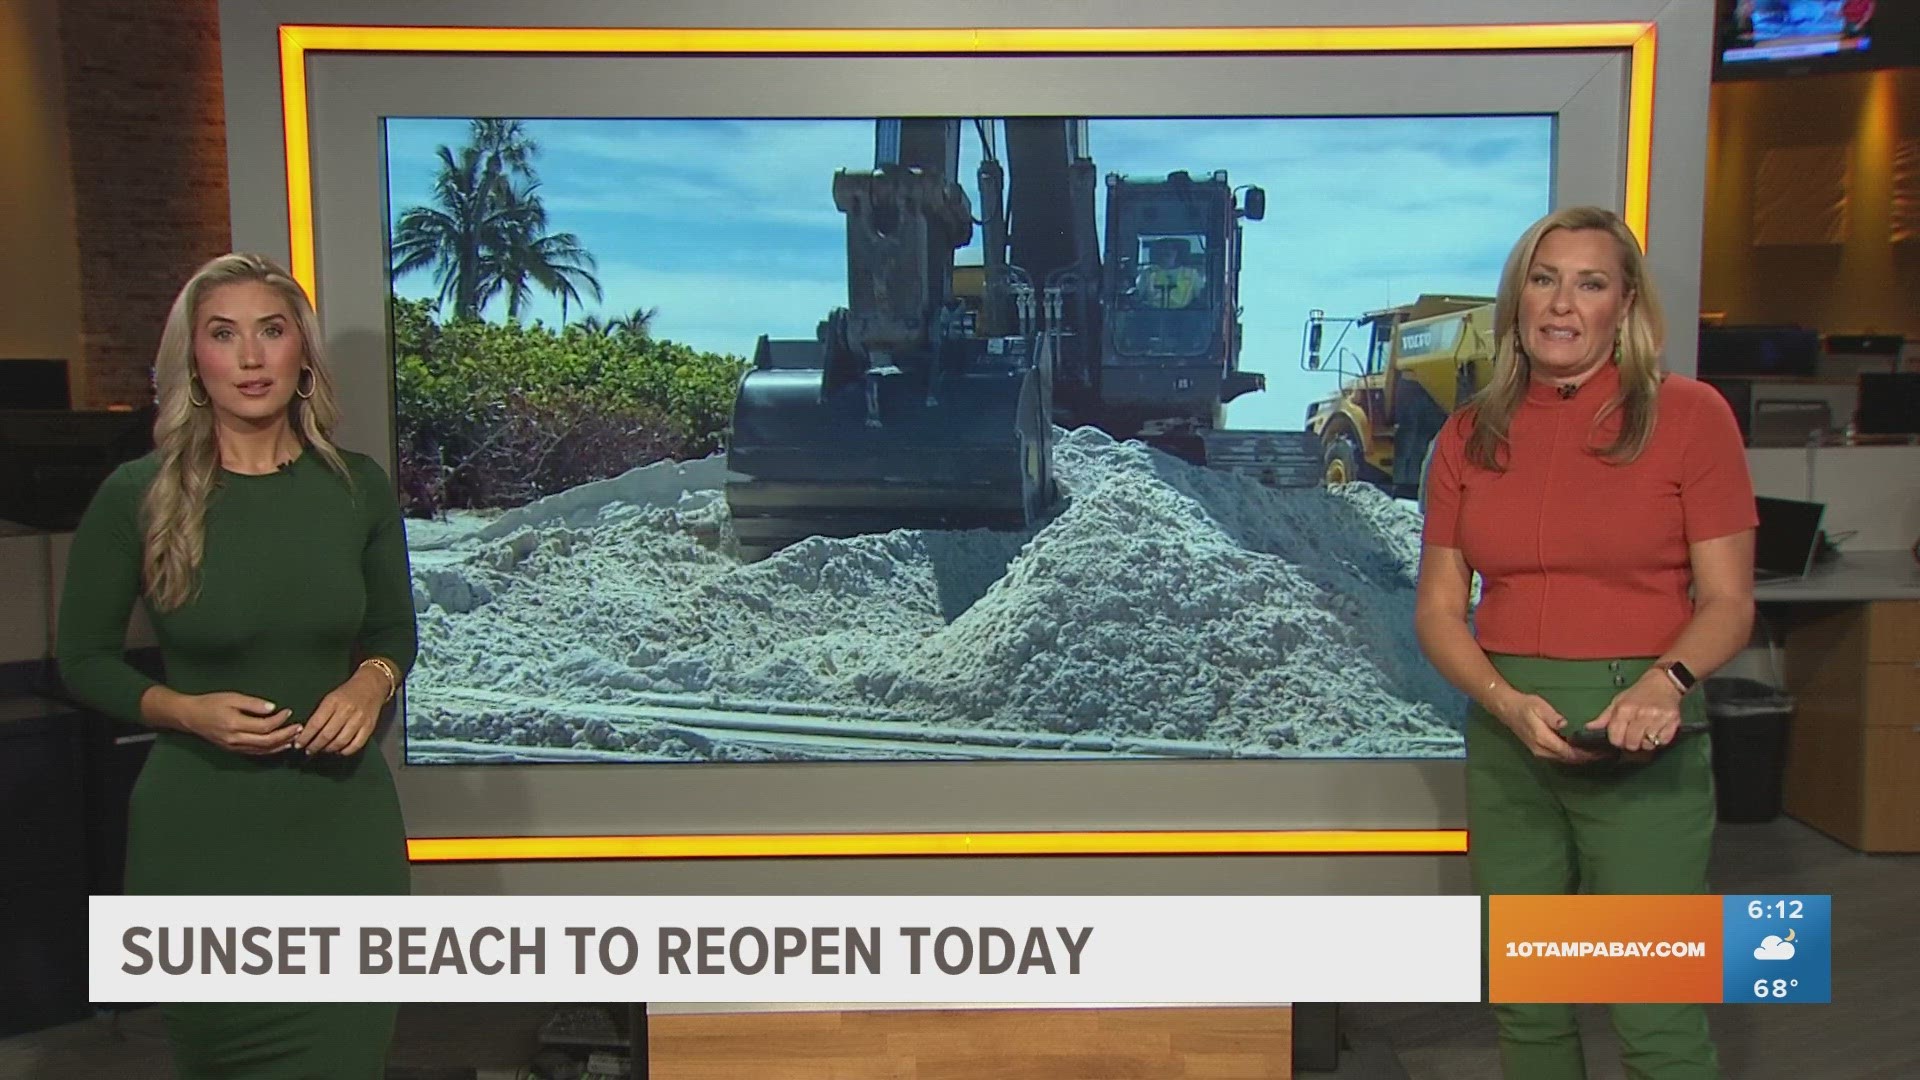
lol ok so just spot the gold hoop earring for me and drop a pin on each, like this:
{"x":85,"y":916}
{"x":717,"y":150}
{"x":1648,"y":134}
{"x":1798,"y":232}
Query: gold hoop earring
{"x":308,"y":372}
{"x":203,"y":400}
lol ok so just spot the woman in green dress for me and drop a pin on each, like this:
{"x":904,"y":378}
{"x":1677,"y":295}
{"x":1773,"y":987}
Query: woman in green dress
{"x":273,"y":567}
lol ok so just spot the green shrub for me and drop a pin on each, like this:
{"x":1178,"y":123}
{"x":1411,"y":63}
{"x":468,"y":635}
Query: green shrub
{"x":496,"y":414}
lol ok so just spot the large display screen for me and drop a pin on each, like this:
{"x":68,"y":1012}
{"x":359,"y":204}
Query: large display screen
{"x":750,"y":441}
{"x":1759,"y":32}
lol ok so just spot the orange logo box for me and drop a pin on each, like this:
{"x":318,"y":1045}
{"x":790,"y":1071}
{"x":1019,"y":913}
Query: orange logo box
{"x":1575,"y":949}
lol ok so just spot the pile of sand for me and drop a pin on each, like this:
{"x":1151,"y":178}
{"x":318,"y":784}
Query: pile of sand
{"x":1164,"y":608}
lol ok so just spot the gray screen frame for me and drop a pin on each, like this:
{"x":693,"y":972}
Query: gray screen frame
{"x":348,"y":93}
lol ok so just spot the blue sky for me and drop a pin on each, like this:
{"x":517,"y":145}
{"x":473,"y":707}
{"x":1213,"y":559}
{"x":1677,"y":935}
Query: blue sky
{"x":728,"y":226}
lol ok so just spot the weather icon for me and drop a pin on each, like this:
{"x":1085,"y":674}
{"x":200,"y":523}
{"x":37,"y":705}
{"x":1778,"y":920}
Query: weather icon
{"x":1775,"y":947}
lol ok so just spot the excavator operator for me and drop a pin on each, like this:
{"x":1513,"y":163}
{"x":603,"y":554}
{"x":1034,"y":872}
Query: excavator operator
{"x":1167,"y":281}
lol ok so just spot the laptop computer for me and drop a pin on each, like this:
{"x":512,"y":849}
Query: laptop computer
{"x":1788,"y":538}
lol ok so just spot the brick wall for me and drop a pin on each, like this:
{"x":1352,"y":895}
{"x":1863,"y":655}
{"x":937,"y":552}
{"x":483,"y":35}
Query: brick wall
{"x":147,"y":130}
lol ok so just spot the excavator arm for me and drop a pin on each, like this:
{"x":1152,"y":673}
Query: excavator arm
{"x":901,"y":414}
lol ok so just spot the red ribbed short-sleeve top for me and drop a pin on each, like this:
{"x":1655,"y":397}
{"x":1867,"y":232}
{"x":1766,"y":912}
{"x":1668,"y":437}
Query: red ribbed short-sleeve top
{"x":1579,"y":558}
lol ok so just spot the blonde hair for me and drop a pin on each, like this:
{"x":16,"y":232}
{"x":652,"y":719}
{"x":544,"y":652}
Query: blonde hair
{"x":1640,"y":344}
{"x":186,"y":440}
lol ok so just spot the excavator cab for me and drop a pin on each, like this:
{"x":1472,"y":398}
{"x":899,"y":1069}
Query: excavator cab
{"x":1170,"y":358}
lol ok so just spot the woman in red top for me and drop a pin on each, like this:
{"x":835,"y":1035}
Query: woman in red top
{"x":1607,"y":508}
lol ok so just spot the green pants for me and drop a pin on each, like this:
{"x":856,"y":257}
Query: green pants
{"x":1536,"y":827}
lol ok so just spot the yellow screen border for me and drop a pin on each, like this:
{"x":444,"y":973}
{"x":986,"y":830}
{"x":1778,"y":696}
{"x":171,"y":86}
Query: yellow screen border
{"x":297,"y":41}
{"x":1003,"y":844}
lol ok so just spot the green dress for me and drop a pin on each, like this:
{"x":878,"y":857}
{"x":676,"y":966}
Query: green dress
{"x":303,"y":576}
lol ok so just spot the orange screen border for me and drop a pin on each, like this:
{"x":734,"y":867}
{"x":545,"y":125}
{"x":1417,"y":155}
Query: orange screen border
{"x":297,"y":41}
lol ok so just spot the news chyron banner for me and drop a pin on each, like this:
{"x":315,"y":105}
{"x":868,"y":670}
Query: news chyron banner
{"x":941,"y":949}
{"x":798,"y":949}
{"x":1672,"y":949}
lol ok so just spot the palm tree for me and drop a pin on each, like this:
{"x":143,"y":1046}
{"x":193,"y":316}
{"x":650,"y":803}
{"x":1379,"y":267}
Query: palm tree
{"x":485,"y":233}
{"x":454,"y":235}
{"x":638,"y":322}
{"x":505,"y":144}
{"x":526,"y":254}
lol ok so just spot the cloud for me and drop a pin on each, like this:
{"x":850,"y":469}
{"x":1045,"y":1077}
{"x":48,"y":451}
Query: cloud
{"x":1773,"y":947}
{"x":728,"y":226}
{"x":765,"y":171}
{"x":716,"y":311}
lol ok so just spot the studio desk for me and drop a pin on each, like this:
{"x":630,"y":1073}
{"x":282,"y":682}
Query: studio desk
{"x":1852,"y":663}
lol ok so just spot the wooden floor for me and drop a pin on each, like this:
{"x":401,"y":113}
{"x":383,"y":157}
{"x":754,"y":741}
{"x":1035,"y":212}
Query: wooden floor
{"x":1869,"y":1034}
{"x":977,"y":1044}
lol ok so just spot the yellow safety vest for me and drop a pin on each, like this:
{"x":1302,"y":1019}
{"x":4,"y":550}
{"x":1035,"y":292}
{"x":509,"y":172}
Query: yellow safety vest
{"x":1170,"y":287}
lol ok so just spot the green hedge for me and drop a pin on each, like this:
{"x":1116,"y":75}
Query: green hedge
{"x":497,"y":414}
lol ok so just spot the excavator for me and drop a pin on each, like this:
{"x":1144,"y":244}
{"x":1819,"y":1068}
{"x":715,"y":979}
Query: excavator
{"x":930,"y":400}
{"x":1422,"y":361}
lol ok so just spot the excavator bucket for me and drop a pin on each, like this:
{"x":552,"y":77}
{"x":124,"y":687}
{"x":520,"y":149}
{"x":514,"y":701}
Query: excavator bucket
{"x":970,"y":450}
{"x":898,"y":415}
{"x":929,"y":401}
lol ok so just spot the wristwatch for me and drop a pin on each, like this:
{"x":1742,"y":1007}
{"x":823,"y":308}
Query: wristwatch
{"x":1682,"y":678}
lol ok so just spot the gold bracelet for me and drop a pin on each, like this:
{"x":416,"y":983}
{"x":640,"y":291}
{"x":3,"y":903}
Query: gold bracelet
{"x":393,"y":677}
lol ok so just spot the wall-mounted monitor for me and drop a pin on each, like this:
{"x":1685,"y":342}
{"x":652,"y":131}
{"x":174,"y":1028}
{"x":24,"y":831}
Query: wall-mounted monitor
{"x":1889,"y":403}
{"x":1774,"y":38}
{"x":1156,"y":645}
{"x":1748,"y":351}
{"x":52,"y":460}
{"x":630,"y":547}
{"x":34,"y":384}
{"x":1739,"y":395}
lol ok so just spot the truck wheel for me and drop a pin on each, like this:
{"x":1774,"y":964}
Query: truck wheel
{"x":1342,"y":461}
{"x":1426,"y":466}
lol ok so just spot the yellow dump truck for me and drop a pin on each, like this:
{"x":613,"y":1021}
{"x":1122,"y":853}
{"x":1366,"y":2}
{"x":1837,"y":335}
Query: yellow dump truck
{"x":1402,"y":371}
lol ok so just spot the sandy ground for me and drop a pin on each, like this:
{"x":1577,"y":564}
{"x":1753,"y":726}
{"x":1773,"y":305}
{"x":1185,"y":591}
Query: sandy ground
{"x":1164,"y":610}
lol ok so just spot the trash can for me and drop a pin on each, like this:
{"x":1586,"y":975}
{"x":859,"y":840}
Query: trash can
{"x":1749,"y":721}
